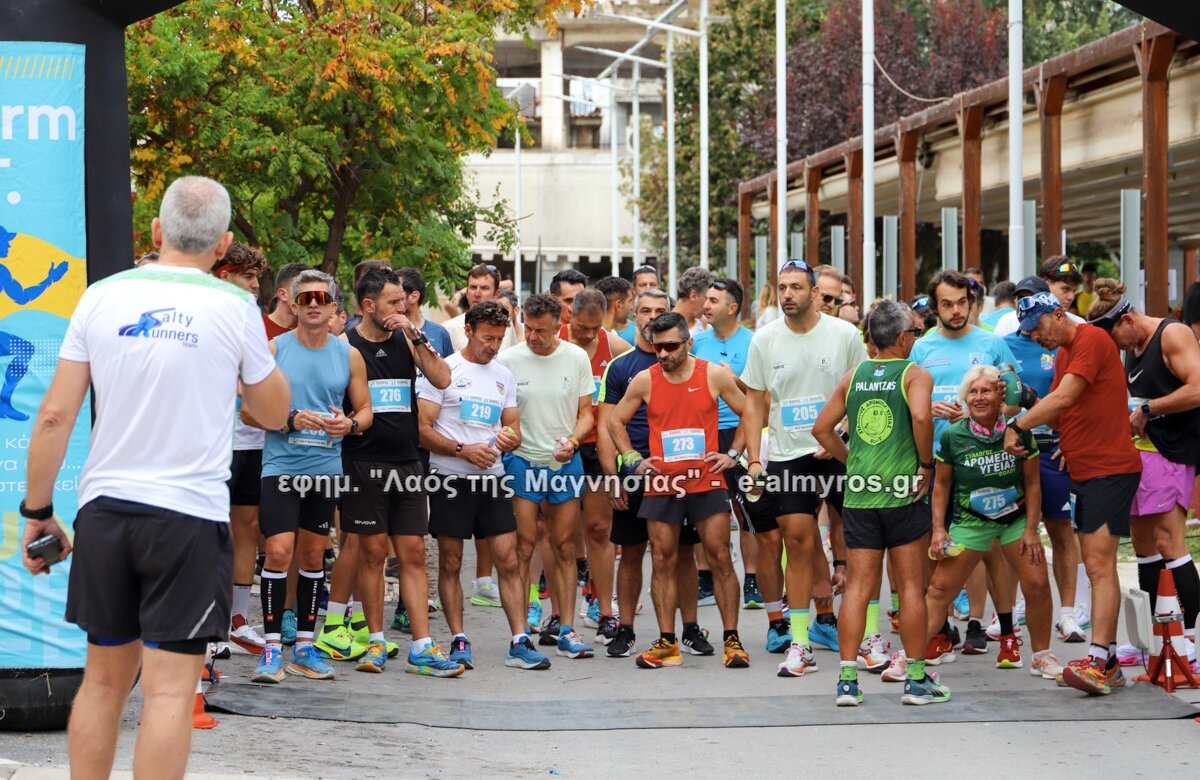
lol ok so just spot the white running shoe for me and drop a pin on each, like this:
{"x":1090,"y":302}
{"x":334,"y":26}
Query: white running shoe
{"x":1045,"y":665}
{"x":873,"y":653}
{"x":897,"y":670}
{"x":1069,"y":630}
{"x":1083,"y":616}
{"x":1019,"y":613}
{"x":799,"y":662}
{"x":993,"y":629}
{"x":247,"y":640}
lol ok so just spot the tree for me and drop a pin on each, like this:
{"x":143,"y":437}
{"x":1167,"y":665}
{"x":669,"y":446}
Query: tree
{"x":1052,"y":28}
{"x":339,"y":127}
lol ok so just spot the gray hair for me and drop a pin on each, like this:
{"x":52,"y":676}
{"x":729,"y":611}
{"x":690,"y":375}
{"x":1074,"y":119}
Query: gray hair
{"x":313,"y":275}
{"x":637,"y":301}
{"x":696,"y":280}
{"x":194,"y":214}
{"x":886,"y":321}
{"x":976,"y":373}
{"x":589,"y":299}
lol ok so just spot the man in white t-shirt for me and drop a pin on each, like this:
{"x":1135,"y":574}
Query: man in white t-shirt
{"x":466,"y":427}
{"x":1058,"y":276}
{"x":554,"y":398}
{"x":164,"y":348}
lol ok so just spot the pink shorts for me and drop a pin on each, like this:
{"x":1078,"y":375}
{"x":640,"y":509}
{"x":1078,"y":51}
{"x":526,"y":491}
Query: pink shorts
{"x":1164,"y":485}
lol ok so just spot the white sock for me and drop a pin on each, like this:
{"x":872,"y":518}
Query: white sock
{"x":241,"y":601}
{"x":377,"y":636}
{"x":1066,"y":611}
{"x":483,"y":581}
{"x":517,"y":638}
{"x":460,"y":636}
{"x":1083,"y":587}
{"x":419,"y":645}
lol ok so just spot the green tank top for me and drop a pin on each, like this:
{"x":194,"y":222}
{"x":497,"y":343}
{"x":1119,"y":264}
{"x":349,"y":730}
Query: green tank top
{"x":883,"y":456}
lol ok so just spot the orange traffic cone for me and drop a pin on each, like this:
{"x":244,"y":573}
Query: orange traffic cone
{"x":200,"y":718}
{"x":1169,"y":666}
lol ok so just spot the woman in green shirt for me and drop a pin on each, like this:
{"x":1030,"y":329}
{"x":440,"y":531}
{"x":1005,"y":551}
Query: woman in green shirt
{"x":989,"y":496}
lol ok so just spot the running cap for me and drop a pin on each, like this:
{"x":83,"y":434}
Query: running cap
{"x":1032,"y":284}
{"x":1031,"y":308}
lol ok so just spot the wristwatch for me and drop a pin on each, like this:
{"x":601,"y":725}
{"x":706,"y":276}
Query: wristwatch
{"x":1015,"y":427}
{"x":458,"y":449}
{"x":291,"y":422}
{"x":1146,"y":409}
{"x":732,"y":453}
{"x":353,"y":426}
{"x":45,"y":513}
{"x":420,"y":339}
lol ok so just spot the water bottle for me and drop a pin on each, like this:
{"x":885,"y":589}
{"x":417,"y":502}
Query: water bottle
{"x":1012,"y":387}
{"x":562,"y":444}
{"x":949,"y":550}
{"x":492,"y":441}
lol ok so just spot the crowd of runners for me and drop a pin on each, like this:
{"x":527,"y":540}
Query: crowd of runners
{"x":565,"y":434}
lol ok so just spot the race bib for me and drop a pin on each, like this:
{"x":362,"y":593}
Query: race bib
{"x":479,"y":412}
{"x":390,"y":395}
{"x":799,"y":414}
{"x":683,"y":444}
{"x":948,"y":393}
{"x":993,"y":503}
{"x":596,"y":390}
{"x":306,"y":438}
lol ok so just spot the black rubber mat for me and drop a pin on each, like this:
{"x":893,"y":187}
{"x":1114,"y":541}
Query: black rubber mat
{"x":1139,"y":702}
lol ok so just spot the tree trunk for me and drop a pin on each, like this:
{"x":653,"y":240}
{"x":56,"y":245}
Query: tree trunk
{"x":345,"y":188}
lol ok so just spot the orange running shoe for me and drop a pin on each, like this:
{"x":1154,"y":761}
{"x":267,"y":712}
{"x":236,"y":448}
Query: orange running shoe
{"x":661,"y":653}
{"x":736,"y":656}
{"x":939,"y":651}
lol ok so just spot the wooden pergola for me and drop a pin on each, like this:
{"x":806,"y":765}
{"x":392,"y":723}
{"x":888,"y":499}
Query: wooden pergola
{"x":968,"y":133}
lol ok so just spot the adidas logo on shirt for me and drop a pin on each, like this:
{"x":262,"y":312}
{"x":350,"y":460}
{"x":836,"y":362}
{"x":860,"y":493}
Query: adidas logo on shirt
{"x":380,"y":353}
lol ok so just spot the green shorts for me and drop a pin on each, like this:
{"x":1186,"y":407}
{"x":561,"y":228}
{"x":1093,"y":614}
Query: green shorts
{"x":977,"y":534}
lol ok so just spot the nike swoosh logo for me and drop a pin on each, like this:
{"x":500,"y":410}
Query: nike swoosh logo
{"x":693,"y":389}
{"x":1134,"y":377}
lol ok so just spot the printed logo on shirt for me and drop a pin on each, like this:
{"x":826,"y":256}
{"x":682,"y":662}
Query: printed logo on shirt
{"x":165,"y":324}
{"x":462,"y":383}
{"x":500,"y":388}
{"x":381,"y":353}
{"x":978,"y":359}
{"x":1047,"y":362}
{"x":879,"y":371}
{"x":935,"y":362}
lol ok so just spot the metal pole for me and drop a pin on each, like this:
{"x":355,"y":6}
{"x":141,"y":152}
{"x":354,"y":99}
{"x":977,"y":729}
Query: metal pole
{"x":781,"y":128}
{"x":517,"y":211}
{"x":637,"y":166}
{"x":672,"y":276}
{"x":616,"y":174}
{"x":704,"y":133}
{"x":868,"y":78}
{"x":1016,"y":129}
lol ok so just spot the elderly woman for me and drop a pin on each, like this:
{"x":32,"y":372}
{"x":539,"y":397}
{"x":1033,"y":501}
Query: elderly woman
{"x":990,"y":496}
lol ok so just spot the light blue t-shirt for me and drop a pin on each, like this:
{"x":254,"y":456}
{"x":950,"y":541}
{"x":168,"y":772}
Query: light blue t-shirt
{"x":949,"y":360}
{"x":629,"y":332}
{"x":1035,"y":366}
{"x":991,"y":318}
{"x":318,"y":379}
{"x":439,"y":337}
{"x":733,"y":352}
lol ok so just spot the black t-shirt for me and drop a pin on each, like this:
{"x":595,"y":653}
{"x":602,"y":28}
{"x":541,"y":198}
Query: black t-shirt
{"x":391,"y":377}
{"x":1191,"y":304}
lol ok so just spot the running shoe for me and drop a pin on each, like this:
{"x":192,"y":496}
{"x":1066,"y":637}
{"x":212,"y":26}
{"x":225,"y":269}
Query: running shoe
{"x":592,"y":619}
{"x":779,"y":636}
{"x":894,"y":618}
{"x":307,"y":662}
{"x":375,"y":658}
{"x":695,"y":640}
{"x":1090,"y":679}
{"x":549,"y":637}
{"x":1068,"y":629}
{"x":392,"y":648}
{"x":219,"y":650}
{"x":622,"y":645}
{"x":357,"y":624}
{"x":338,"y":643}
{"x":897,"y":670}
{"x":706,"y":597}
{"x":570,"y":645}
{"x":606,"y":632}
{"x":1083,"y":616}
{"x":523,"y":655}
{"x":799,"y":662}
{"x":1113,"y":675}
{"x":1128,"y":655}
{"x":287,"y":631}
{"x":460,"y":652}
{"x":432,"y":662}
{"x":270,"y":666}
{"x":752,"y":597}
{"x":1019,"y":613}
{"x":533,"y":618}
{"x":542,"y":587}
{"x":939,"y":651}
{"x":955,"y":636}
{"x":736,"y":656}
{"x":848,"y":693}
{"x":873,"y":653}
{"x":962,"y":605}
{"x":245,"y":637}
{"x":825,"y":635}
{"x":1009,"y":655}
{"x":926,"y":691}
{"x":486,"y":594}
{"x":583,"y":571}
{"x":435,"y":604}
{"x":993,"y":629}
{"x":401,"y":623}
{"x":975,"y":642}
{"x":661,"y":653}
{"x":584,"y":603}
{"x":1045,"y":665}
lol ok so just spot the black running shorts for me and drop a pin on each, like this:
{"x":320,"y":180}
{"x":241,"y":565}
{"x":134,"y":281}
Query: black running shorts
{"x":245,"y":477}
{"x":283,"y":508}
{"x":385,"y":498}
{"x":1104,"y":501}
{"x":629,"y":529}
{"x":883,"y":529}
{"x":462,"y":513}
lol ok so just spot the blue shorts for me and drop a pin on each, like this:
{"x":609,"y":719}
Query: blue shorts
{"x":539,"y":482}
{"x":1056,"y":489}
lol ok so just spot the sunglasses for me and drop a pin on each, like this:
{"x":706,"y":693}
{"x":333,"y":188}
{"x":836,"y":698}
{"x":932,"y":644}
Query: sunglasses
{"x":1067,"y":268}
{"x":799,"y":265}
{"x":720,"y":285}
{"x":1029,"y":303}
{"x":667,"y":346}
{"x":921,"y":303}
{"x":916,"y":332}
{"x":836,"y":301}
{"x":309,"y":297}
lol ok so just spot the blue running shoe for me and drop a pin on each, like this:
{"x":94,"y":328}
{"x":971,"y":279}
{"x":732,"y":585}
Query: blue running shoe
{"x":825,"y":635}
{"x":432,"y":662}
{"x":592,"y":619}
{"x":270,"y":666}
{"x":962,"y":605}
{"x":460,"y":653}
{"x":570,"y":644}
{"x":926,"y":691}
{"x":848,"y":693}
{"x":288,"y":630}
{"x":779,"y":637}
{"x":523,"y":655}
{"x":307,"y":662}
{"x":375,"y":658}
{"x":706,"y":597}
{"x":533,"y":618}
{"x":751,"y":596}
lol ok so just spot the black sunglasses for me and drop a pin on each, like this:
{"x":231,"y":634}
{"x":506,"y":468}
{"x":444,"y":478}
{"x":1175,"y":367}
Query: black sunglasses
{"x":667,"y":346}
{"x":720,"y":285}
{"x":836,"y":301}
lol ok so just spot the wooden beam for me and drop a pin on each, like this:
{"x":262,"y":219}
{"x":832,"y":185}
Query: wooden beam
{"x":812,"y":216}
{"x":854,"y":221}
{"x":1049,"y":95}
{"x":745,"y":242}
{"x":773,"y":260}
{"x":970,"y":132}
{"x":1154,"y":61}
{"x":906,"y":155}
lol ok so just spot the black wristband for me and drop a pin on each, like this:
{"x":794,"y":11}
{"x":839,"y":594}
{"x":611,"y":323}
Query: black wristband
{"x":45,"y":513}
{"x":837,"y":562}
{"x":291,"y":423}
{"x":1016,"y":428}
{"x":928,"y":465}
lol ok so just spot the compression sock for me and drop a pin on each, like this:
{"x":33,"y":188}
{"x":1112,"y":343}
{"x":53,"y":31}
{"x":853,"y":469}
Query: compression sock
{"x":799,"y":626}
{"x":1148,"y":567}
{"x":308,"y":590}
{"x":1187,"y":585}
{"x":273,"y":595}
{"x":872,"y":618}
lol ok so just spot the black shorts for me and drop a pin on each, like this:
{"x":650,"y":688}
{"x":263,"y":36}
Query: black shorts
{"x":629,"y":529}
{"x":591,"y":460}
{"x":142,"y":571}
{"x":385,"y":498}
{"x":1103,"y":501}
{"x":460,"y":512}
{"x":797,"y":487}
{"x":883,"y":529}
{"x":245,"y":477}
{"x":693,"y":508}
{"x":284,"y":508}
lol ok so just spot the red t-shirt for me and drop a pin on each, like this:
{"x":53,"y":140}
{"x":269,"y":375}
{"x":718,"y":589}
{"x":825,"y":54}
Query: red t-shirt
{"x":273,"y":330}
{"x":1094,"y":432}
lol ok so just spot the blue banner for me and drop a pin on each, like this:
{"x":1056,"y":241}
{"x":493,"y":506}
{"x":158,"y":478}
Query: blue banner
{"x":43,"y":241}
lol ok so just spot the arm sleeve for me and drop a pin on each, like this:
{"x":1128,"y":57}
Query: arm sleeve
{"x":257,"y":361}
{"x":74,"y":344}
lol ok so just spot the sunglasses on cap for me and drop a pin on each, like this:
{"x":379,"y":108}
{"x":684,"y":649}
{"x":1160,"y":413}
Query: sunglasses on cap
{"x":836,"y":301}
{"x":645,"y":269}
{"x":309,"y":297}
{"x":667,"y":346}
{"x":799,"y":265}
{"x":720,"y":285}
{"x":1067,"y":268}
{"x":1109,"y":319}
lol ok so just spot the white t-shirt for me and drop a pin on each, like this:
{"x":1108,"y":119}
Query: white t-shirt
{"x":246,"y":437}
{"x":548,"y":393}
{"x":471,"y":408}
{"x":800,"y":371}
{"x":1009,"y":323}
{"x":165,"y":347}
{"x":457,"y":328}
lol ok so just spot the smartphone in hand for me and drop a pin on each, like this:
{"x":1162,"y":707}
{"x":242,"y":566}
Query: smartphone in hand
{"x":47,"y":547}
